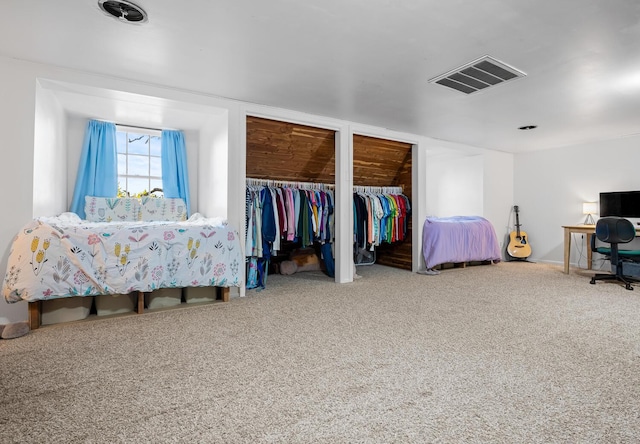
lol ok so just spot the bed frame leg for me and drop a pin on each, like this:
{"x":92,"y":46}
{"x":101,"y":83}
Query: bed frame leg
{"x":140,"y":307}
{"x":224,"y":294}
{"x":35,"y":314}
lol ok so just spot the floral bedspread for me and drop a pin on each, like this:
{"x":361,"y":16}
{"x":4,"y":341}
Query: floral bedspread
{"x":64,"y":256}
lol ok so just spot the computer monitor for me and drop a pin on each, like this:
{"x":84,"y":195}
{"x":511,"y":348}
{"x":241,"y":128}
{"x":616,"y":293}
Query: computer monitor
{"x":620,"y":203}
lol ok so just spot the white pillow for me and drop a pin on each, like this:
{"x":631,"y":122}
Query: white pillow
{"x":109,"y":209}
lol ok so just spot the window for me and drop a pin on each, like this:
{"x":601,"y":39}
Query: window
{"x":139,"y":160}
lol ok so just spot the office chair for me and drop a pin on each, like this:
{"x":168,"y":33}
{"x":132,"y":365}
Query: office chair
{"x":615,"y":231}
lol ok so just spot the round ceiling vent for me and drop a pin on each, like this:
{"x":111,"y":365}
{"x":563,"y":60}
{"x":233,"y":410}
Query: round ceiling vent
{"x":123,"y":10}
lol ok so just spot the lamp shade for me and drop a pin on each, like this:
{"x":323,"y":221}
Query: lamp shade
{"x":589,"y":207}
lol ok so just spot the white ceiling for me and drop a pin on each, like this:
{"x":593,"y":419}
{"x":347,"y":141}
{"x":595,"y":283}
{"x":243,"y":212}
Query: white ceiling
{"x":367,"y":61}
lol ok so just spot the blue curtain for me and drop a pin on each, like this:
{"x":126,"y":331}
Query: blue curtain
{"x":98,"y":167}
{"x":175,"y":181}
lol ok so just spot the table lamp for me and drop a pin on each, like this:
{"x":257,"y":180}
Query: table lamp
{"x":589,"y":208}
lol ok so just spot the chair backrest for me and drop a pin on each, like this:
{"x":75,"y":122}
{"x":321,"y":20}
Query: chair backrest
{"x":615,"y":230}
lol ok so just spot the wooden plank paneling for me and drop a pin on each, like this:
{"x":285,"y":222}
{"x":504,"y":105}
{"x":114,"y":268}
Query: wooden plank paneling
{"x":380,"y":162}
{"x":288,"y":151}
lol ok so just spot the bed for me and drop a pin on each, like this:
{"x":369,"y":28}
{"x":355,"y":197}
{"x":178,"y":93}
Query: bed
{"x":458,"y":239}
{"x":65,"y":256}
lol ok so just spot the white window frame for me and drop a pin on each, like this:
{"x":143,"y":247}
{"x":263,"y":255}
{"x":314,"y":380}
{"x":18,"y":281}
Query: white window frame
{"x":145,"y":131}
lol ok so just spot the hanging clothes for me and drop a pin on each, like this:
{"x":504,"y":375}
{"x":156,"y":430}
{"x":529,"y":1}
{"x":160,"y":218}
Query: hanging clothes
{"x":305,"y":213}
{"x":277,"y":211}
{"x":379,"y":217}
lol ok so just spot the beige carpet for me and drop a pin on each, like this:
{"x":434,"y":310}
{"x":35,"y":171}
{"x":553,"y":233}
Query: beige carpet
{"x":507,"y":353}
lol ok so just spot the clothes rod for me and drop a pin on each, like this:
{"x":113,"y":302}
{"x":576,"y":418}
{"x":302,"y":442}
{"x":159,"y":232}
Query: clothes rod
{"x":311,"y":185}
{"x":376,"y":189}
{"x":288,"y":183}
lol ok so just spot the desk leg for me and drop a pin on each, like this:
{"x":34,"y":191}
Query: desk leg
{"x":589,"y":252}
{"x":567,"y":249}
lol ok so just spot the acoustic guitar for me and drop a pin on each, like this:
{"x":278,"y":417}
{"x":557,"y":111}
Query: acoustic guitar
{"x":518,"y":247}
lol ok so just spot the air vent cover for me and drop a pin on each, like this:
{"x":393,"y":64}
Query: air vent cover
{"x":478,"y":75}
{"x":123,"y":10}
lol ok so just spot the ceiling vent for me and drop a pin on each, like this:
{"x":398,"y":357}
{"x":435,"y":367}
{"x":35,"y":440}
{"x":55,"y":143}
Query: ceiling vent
{"x":478,"y":75}
{"x":123,"y":10}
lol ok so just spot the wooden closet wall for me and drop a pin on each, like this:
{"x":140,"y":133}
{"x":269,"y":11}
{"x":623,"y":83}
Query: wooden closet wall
{"x":288,"y":151}
{"x":384,"y":163}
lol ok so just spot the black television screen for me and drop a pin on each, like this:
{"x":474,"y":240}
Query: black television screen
{"x":620,"y":203}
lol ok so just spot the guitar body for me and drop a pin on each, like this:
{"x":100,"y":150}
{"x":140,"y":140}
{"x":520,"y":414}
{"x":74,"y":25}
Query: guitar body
{"x":518,"y":247}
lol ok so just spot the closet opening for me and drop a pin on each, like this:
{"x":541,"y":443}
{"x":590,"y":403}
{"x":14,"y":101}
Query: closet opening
{"x":383,"y":167}
{"x":289,"y":166}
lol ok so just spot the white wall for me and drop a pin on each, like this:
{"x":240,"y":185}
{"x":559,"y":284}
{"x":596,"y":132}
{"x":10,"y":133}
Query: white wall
{"x":455,"y":186}
{"x":214,"y":167}
{"x":17,"y":122}
{"x":76,"y":127}
{"x":550,"y":187}
{"x":498,"y":193}
{"x":50,"y":154}
{"x":418,"y":203}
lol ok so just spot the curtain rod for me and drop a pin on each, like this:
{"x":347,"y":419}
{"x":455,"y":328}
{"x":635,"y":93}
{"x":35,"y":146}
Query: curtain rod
{"x":138,"y":127}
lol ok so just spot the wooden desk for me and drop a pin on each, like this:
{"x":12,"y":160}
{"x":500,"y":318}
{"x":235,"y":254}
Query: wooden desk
{"x":589,"y":230}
